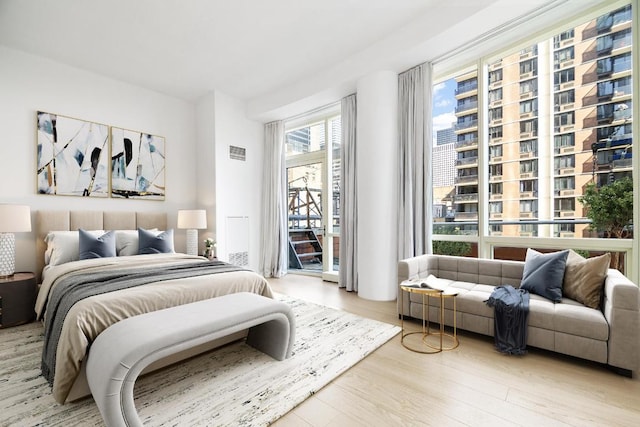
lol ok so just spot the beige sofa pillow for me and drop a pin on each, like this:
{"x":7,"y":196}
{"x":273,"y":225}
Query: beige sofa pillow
{"x":584,"y":278}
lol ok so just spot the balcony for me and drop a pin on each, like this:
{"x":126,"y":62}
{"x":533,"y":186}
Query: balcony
{"x":470,"y":143}
{"x":495,"y":215}
{"x":564,"y":214}
{"x":466,"y":124}
{"x":466,"y":198}
{"x":466,"y":88}
{"x":466,"y":107}
{"x":622,"y":163}
{"x":495,"y":178}
{"x":495,"y":196}
{"x":466,"y":179}
{"x":529,"y":154}
{"x":565,"y":171}
{"x":466,"y":216}
{"x":468,"y":161}
{"x":528,"y":214}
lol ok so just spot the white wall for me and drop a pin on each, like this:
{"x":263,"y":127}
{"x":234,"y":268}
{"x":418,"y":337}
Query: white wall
{"x":30,"y":83}
{"x":237,"y":184}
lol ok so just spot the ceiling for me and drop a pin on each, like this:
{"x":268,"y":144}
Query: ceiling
{"x":266,"y":52}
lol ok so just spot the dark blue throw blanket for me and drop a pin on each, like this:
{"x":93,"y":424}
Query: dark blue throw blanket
{"x":511,"y":315}
{"x":77,"y":287}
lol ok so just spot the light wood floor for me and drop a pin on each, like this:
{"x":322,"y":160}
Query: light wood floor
{"x":472,"y":385}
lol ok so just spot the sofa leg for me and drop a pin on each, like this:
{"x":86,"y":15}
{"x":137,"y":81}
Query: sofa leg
{"x":621,"y":371}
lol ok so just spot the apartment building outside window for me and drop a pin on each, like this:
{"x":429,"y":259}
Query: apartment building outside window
{"x":558,"y":116}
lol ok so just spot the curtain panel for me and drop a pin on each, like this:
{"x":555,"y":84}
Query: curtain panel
{"x":416,"y":144}
{"x":348,"y":273}
{"x":275,"y":236}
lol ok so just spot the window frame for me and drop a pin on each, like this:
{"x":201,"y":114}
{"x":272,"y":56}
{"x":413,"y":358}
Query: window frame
{"x":451,"y":65}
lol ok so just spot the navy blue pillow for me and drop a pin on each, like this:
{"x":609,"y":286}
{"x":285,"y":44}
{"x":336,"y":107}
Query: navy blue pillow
{"x":544,"y":273}
{"x":150,"y":243}
{"x":90,"y":246}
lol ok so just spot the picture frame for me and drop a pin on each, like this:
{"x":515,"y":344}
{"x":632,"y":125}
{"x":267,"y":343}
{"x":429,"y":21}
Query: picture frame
{"x":72,"y":156}
{"x":137,"y":165}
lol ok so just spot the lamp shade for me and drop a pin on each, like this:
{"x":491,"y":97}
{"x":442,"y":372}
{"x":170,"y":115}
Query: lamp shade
{"x":192,"y":219}
{"x":15,"y":218}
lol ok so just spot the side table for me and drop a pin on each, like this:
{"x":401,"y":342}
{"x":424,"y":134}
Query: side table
{"x":426,"y":332}
{"x":17,"y":299}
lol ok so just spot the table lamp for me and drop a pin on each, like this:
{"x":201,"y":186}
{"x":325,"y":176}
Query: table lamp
{"x":13,"y":219}
{"x":192,"y":220}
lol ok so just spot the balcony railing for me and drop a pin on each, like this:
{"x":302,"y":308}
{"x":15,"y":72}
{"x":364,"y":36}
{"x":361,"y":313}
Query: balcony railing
{"x":466,"y":216}
{"x":465,"y":198}
{"x":467,"y":161}
{"x":466,"y":124}
{"x":466,"y":178}
{"x":467,"y":106}
{"x":466,"y":143}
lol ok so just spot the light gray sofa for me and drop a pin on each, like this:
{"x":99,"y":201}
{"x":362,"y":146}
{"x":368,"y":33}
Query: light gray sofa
{"x":610,"y":336}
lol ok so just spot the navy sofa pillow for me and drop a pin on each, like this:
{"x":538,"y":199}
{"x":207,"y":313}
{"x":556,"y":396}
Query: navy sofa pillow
{"x":150,"y":243}
{"x":90,"y":246}
{"x":544,"y":273}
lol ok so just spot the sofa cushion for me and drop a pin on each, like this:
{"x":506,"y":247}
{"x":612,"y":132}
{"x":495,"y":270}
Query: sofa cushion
{"x":543,"y":273}
{"x":584,"y":278}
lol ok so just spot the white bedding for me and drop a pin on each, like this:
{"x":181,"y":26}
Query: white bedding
{"x":89,"y":317}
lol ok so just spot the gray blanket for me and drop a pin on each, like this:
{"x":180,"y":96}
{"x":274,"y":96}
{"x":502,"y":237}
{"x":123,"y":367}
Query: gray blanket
{"x":511,"y":315}
{"x":77,"y":287}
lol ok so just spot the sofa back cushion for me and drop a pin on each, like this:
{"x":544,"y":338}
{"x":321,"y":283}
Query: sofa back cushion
{"x":473,"y":270}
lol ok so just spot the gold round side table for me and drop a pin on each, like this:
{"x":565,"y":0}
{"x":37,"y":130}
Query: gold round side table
{"x":427,"y":346}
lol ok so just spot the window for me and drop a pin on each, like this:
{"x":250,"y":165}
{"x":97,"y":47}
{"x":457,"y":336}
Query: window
{"x":529,"y":106}
{"x":528,"y":86}
{"x":528,"y":185}
{"x":564,"y":141}
{"x":495,"y":76}
{"x":495,"y":188}
{"x":562,"y":55}
{"x":528,"y":67}
{"x":563,"y":98}
{"x":563,"y":37}
{"x":529,"y":146}
{"x":542,"y":108}
{"x":495,"y":207}
{"x":529,"y":126}
{"x":495,"y":95}
{"x":562,"y":162}
{"x":495,"y":114}
{"x":564,"y":204}
{"x":563,"y":76}
{"x":495,"y":132}
{"x":564,"y":119}
{"x":564,"y":183}
{"x":528,"y":166}
{"x":529,"y":206}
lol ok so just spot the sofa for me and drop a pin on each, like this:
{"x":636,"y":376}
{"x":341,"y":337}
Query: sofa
{"x":609,"y":334}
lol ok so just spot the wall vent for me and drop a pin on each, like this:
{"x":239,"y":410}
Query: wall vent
{"x":237,"y":153}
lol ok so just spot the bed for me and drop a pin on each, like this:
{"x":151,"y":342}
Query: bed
{"x":160,"y":280}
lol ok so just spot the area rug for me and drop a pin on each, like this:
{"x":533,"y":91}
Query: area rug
{"x":232,"y":386}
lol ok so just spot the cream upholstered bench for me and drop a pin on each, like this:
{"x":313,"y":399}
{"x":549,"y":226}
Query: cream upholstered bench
{"x":123,"y":350}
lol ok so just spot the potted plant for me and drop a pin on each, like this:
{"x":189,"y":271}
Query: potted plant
{"x":209,"y":248}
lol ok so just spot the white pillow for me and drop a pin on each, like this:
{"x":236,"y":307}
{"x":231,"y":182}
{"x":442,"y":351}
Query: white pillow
{"x":63,"y":246}
{"x":127,"y":241}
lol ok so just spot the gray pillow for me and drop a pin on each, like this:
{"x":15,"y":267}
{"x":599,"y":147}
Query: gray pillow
{"x":150,"y":243}
{"x":91,"y":246}
{"x":544,"y":273}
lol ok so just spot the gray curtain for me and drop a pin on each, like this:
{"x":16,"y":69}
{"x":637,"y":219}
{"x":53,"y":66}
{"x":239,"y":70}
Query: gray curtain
{"x":275,"y":236}
{"x":348,"y":273}
{"x":416,"y":143}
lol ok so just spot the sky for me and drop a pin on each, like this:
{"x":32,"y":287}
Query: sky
{"x":444,"y":104}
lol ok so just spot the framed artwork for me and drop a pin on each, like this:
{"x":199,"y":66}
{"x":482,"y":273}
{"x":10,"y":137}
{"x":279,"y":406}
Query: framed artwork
{"x":137,"y":165}
{"x":72,"y":156}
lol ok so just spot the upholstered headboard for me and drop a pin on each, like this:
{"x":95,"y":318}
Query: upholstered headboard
{"x":47,"y":221}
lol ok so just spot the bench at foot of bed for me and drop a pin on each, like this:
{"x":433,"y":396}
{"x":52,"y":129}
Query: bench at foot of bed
{"x":123,"y":350}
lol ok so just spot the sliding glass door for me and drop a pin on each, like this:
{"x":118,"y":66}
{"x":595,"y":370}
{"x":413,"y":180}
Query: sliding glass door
{"x":313,"y":193}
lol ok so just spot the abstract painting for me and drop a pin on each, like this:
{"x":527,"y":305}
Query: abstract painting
{"x":137,"y":165}
{"x":73,"y":157}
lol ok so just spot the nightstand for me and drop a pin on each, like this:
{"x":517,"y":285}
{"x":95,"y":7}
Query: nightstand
{"x":17,"y":299}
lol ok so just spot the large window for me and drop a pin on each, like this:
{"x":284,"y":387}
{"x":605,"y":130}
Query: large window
{"x":557,"y":119}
